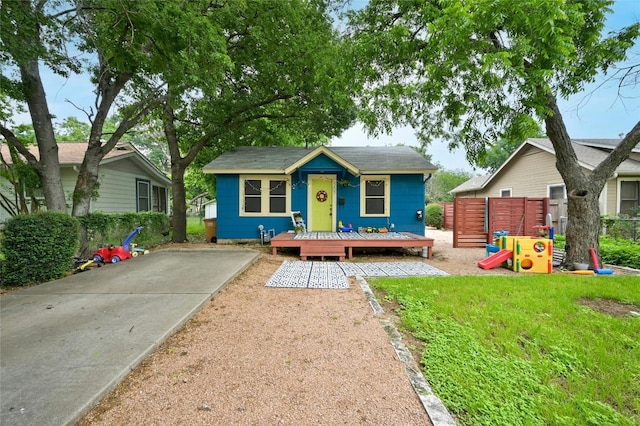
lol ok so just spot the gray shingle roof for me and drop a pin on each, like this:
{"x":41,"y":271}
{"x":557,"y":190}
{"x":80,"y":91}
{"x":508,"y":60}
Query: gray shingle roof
{"x":590,"y":157}
{"x":277,"y":159}
{"x":472,"y":184}
{"x":602,"y":143}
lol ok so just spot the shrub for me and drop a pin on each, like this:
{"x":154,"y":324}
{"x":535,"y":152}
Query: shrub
{"x":613,"y":251}
{"x":38,"y":248}
{"x":620,"y":252}
{"x":434,"y":215}
{"x":112,"y":229}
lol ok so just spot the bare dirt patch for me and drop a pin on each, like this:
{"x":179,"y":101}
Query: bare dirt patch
{"x":610,"y":307}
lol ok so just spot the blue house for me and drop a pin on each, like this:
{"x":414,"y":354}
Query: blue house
{"x":381,"y":187}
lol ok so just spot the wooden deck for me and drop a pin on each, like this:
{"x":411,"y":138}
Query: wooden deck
{"x":339,"y":244}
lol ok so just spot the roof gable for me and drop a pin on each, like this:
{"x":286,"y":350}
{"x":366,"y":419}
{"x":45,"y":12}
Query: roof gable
{"x":323,"y":150}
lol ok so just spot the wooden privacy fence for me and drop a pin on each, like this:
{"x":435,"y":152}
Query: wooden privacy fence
{"x":476,"y":219}
{"x":447,"y":215}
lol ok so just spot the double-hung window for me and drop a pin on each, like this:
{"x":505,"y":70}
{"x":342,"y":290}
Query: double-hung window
{"x":629,"y":196}
{"x":264,"y":196}
{"x":375,"y":196}
{"x":143,"y":195}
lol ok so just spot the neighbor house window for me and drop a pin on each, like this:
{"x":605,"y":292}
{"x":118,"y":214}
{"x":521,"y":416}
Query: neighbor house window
{"x":159,"y":199}
{"x":505,"y":192}
{"x":629,"y":196}
{"x":264,"y":196}
{"x":374,"y":196}
{"x":143,"y":195}
{"x":557,"y":192}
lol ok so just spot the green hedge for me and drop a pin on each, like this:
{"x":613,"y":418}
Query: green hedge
{"x":111,"y":229}
{"x":38,"y":248}
{"x":613,"y":251}
{"x":620,"y":252}
{"x":434,"y":216}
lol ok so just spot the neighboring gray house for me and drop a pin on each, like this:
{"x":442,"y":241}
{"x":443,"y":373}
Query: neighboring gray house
{"x":531,"y":172}
{"x":129,"y":182}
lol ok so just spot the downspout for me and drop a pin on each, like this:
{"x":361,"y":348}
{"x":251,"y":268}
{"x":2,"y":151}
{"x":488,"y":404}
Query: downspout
{"x":424,"y":182}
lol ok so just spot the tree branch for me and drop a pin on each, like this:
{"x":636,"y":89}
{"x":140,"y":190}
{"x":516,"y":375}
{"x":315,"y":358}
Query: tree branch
{"x":22,"y":149}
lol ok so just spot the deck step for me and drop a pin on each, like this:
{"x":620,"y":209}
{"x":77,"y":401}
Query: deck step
{"x":322,"y":251}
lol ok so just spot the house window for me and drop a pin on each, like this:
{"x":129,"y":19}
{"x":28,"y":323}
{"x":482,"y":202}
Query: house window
{"x":557,"y":192}
{"x":505,"y":192}
{"x":159,"y":199}
{"x":374,"y":196}
{"x":629,"y":196}
{"x":264,"y":196}
{"x":143,"y":195}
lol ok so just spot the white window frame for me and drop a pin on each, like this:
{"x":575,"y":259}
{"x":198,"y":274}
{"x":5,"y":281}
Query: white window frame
{"x":504,"y":190}
{"x":387,"y":195}
{"x":264,"y":195}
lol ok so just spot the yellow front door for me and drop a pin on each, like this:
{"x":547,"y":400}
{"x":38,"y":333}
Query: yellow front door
{"x":321,"y":204}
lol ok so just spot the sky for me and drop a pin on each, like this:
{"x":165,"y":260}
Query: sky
{"x":595,"y":113}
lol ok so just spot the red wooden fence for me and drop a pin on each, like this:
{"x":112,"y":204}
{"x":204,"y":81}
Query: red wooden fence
{"x":476,"y":219}
{"x":447,"y":215}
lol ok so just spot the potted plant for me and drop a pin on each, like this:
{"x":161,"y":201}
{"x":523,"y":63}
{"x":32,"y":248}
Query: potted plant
{"x":344,"y":182}
{"x":299,"y":229}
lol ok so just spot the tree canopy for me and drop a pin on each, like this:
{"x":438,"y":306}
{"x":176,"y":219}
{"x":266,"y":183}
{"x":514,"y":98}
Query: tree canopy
{"x":216,"y":73}
{"x":474,"y":72}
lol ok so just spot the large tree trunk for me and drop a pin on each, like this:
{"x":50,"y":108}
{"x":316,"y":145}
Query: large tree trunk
{"x":583,"y":226}
{"x":48,"y":165}
{"x":86,"y":188}
{"x":583,"y":221}
{"x":178,"y":166}
{"x":179,"y":204}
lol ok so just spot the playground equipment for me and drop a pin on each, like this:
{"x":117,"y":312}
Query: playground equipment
{"x":521,"y":254}
{"x":596,"y":267}
{"x":111,"y":254}
{"x":533,"y":255}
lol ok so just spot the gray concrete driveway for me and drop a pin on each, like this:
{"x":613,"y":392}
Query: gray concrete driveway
{"x":65,"y":344}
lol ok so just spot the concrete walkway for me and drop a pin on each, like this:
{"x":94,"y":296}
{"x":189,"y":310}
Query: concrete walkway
{"x":65,"y":344}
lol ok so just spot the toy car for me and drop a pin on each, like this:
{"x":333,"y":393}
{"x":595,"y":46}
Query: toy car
{"x":111,"y":254}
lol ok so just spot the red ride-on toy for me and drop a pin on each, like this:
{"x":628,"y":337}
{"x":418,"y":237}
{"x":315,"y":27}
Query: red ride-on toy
{"x":113,"y":254}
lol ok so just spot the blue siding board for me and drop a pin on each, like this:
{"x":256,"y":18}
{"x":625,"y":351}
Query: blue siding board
{"x":407,"y":196}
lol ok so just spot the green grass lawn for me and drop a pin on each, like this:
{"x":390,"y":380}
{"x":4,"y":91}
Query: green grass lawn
{"x":503,"y":350}
{"x":195,"y":227}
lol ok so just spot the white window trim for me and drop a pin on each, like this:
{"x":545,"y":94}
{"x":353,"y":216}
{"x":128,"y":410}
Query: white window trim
{"x":619,"y":188}
{"x":264,"y":198}
{"x":387,"y":195}
{"x":556,"y":185}
{"x":506,"y":189}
